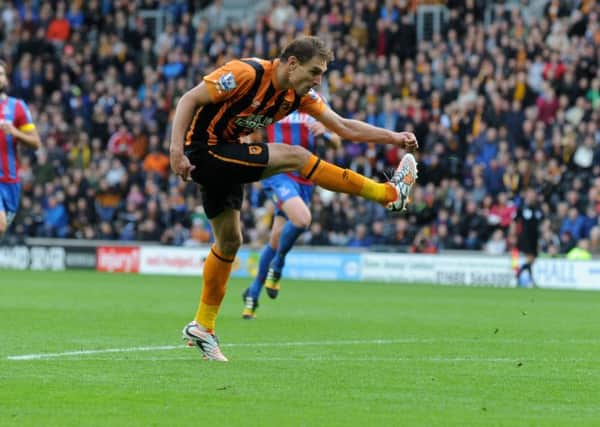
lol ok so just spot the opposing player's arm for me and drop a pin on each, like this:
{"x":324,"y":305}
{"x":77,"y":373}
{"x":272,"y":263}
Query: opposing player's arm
{"x":22,"y":127}
{"x":29,"y":136}
{"x":356,"y":130}
{"x":318,"y":129}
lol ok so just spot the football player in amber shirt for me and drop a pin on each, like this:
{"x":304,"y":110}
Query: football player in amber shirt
{"x":232,"y":102}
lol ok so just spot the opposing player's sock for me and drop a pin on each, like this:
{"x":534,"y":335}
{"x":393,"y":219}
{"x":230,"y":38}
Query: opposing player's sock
{"x":289,"y":235}
{"x":217,"y":269}
{"x":266,"y":256}
{"x":334,"y":178}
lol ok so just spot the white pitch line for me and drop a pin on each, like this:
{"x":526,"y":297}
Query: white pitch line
{"x":301,"y":359}
{"x":42,"y":356}
{"x":87,"y":352}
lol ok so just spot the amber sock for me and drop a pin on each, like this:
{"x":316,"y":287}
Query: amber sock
{"x":216,"y":273}
{"x":334,"y":178}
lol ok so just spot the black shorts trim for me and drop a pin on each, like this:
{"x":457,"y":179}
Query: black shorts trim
{"x":314,"y":168}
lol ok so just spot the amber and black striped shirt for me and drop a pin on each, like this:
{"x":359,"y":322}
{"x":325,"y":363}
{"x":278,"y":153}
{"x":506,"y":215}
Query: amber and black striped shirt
{"x":245,"y":97}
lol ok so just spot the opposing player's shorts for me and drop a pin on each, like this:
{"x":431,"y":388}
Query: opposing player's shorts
{"x":282,"y":187}
{"x":222,"y":169}
{"x":9,"y":199}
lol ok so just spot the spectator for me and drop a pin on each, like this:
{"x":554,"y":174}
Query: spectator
{"x":318,"y":237}
{"x":423,"y":244}
{"x":497,"y":244}
{"x":501,"y":212}
{"x":361,"y":238}
{"x":156,"y":162}
{"x":121,"y":143}
{"x":59,"y":28}
{"x":528,"y":105}
{"x":573,"y":224}
{"x":580,"y":252}
{"x":55,"y":217}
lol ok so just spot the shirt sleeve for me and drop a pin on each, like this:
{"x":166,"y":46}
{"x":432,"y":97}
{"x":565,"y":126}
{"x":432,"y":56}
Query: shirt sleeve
{"x":312,"y":104}
{"x":23,"y":120}
{"x":230,"y":80}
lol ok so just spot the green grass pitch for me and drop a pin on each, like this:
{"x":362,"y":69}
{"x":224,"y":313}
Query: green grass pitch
{"x":85,"y":348}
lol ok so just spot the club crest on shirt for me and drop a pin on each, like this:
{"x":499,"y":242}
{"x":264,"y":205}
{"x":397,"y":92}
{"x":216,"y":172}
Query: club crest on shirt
{"x":226,"y":82}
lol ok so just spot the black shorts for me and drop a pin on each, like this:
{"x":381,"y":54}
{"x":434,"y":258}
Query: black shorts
{"x":222,"y":169}
{"x":528,"y":245}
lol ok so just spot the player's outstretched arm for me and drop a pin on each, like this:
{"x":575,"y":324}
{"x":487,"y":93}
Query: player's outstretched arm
{"x":187,"y":105}
{"x":356,"y":130}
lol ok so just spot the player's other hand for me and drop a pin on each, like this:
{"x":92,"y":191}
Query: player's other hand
{"x":181,"y":165}
{"x":7,"y":127}
{"x":406,"y":140}
{"x":317,"y":128}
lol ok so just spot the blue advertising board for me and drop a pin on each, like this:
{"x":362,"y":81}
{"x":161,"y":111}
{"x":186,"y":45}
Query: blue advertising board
{"x":303,"y":264}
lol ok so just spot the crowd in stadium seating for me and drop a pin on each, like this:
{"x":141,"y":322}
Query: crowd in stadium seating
{"x":496,"y":108}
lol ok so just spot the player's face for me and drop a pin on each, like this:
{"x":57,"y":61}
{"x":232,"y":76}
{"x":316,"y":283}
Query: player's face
{"x":3,"y":79}
{"x":304,"y":77}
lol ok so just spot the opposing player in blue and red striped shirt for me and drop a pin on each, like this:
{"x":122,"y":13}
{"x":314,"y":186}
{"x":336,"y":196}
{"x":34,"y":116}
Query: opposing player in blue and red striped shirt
{"x":16,"y":126}
{"x":292,"y":194}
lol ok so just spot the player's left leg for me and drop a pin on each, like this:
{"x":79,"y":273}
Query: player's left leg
{"x":217,"y":268}
{"x":221,"y":171}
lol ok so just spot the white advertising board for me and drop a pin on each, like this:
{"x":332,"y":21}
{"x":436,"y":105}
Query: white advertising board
{"x":440,"y":269}
{"x":170,"y":260}
{"x":568,"y":274}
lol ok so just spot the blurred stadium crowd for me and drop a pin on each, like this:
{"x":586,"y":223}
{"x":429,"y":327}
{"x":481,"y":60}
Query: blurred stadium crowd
{"x":499,"y":101}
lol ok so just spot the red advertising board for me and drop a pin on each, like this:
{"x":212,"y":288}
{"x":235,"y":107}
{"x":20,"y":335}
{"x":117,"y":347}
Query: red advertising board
{"x":120,"y":259}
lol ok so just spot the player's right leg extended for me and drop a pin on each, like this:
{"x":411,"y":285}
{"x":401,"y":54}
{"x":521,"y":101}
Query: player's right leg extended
{"x":284,"y":157}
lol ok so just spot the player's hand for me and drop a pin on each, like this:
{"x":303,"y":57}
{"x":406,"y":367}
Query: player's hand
{"x":317,"y":128}
{"x":181,"y":166}
{"x":406,"y":140}
{"x":7,"y":127}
